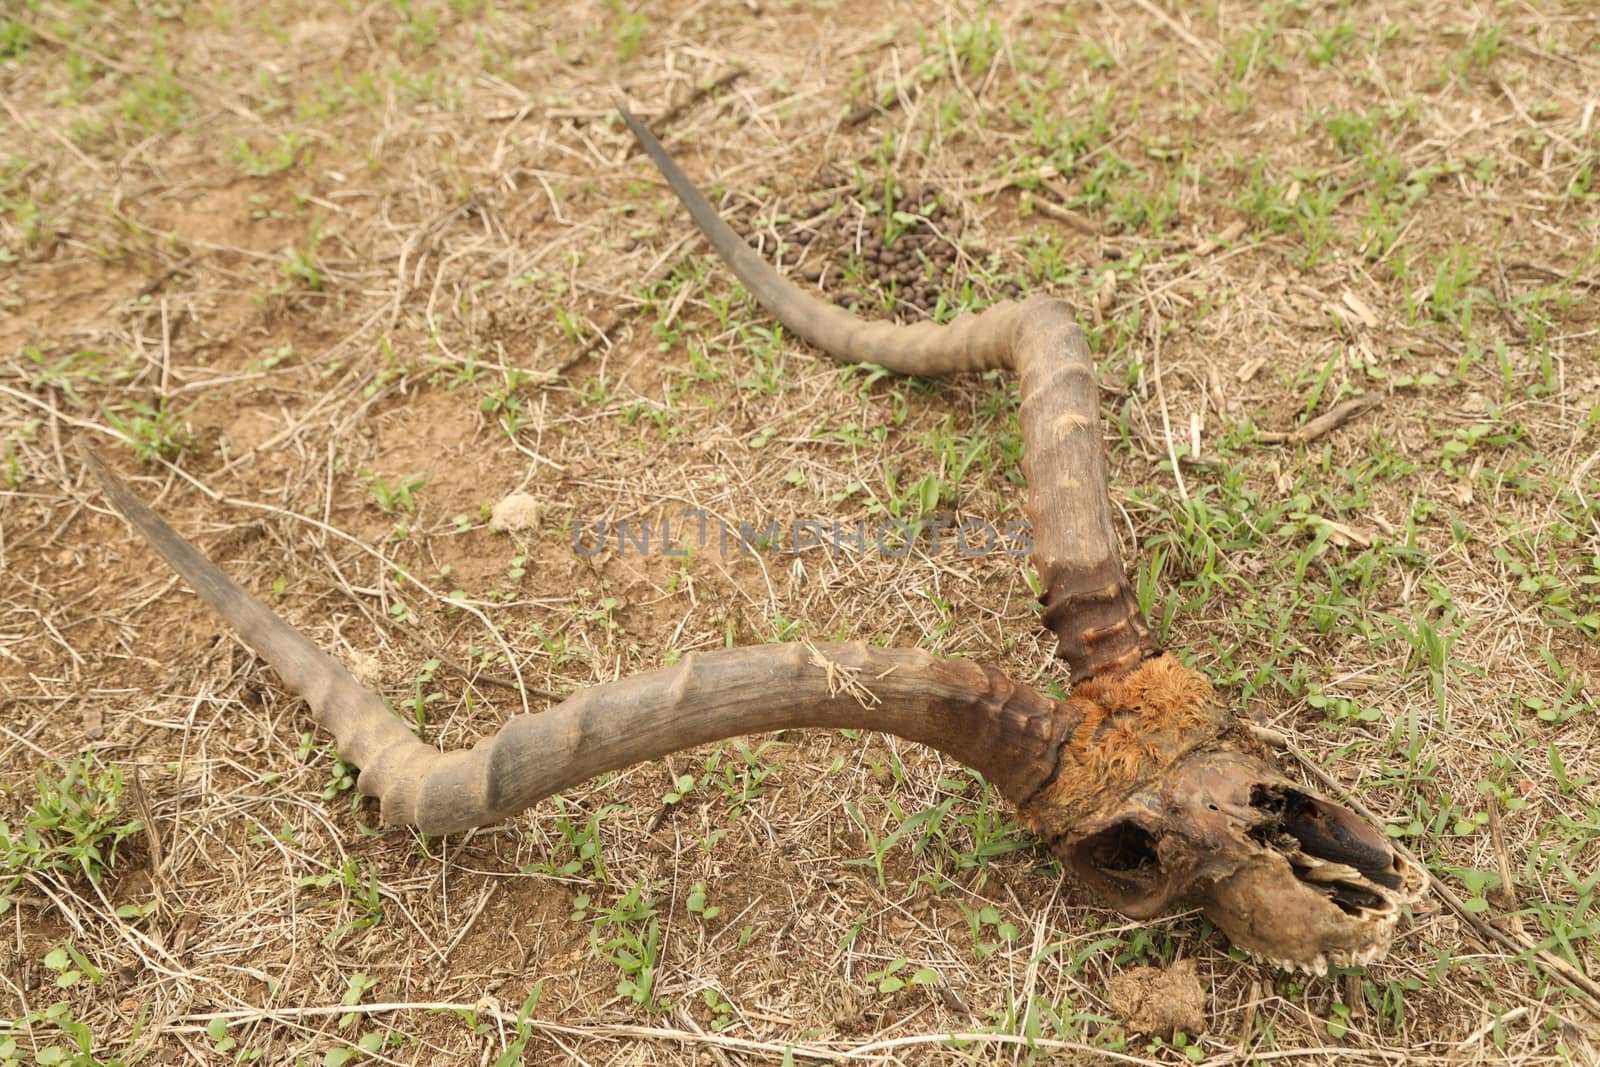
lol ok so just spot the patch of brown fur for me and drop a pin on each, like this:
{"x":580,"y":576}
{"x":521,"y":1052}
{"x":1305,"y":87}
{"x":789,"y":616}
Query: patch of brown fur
{"x":1130,"y":727}
{"x":1159,"y":688}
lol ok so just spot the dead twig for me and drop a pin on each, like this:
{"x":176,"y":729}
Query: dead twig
{"x":477,"y":677}
{"x":152,"y":832}
{"x":691,"y":100}
{"x":1325,"y":423}
{"x":1177,"y":28}
{"x":872,"y":1051}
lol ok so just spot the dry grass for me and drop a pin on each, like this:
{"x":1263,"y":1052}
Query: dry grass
{"x":309,"y":252}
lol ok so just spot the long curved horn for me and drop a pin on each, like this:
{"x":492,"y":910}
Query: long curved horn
{"x":1011,"y":734}
{"x":1088,"y":603}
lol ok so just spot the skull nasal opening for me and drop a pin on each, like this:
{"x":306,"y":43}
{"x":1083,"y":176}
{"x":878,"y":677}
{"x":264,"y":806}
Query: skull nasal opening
{"x":1327,"y":832}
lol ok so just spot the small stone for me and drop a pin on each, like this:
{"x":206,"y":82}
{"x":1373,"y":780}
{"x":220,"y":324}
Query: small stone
{"x":518,"y":513}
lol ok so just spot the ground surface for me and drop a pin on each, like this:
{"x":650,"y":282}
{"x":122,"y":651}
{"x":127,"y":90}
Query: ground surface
{"x":327,"y":281}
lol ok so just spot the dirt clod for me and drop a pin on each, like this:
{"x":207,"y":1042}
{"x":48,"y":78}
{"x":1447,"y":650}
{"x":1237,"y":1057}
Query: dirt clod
{"x":518,"y":513}
{"x":1150,"y":1000}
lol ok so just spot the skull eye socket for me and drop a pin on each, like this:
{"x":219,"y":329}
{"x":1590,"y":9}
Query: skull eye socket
{"x":1124,"y":848}
{"x":1122,"y":863}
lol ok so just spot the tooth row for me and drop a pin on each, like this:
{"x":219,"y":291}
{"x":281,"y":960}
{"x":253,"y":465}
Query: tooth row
{"x":1318,"y":966}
